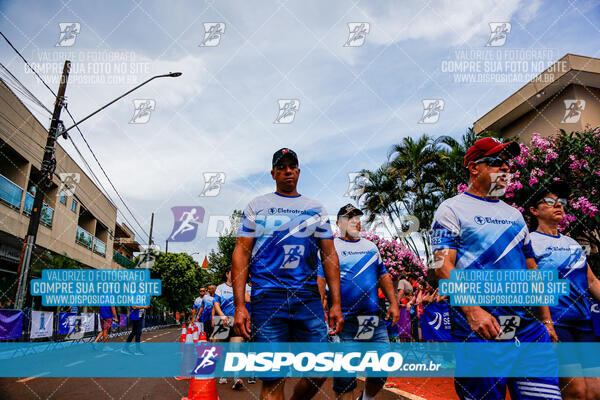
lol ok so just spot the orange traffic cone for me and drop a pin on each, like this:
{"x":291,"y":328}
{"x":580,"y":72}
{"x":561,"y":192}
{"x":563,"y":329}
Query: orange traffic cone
{"x":195,"y":334}
{"x":202,"y":389}
{"x":202,"y":337}
{"x":189,"y":338}
{"x":182,"y":337}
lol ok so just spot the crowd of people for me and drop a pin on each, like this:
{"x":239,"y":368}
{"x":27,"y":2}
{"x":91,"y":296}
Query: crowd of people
{"x":281,"y":283}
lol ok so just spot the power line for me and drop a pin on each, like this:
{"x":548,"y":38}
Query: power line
{"x":79,"y":130}
{"x":36,"y":158}
{"x":18,"y":86}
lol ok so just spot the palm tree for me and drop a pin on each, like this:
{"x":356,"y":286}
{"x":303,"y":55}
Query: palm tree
{"x":415,"y":164}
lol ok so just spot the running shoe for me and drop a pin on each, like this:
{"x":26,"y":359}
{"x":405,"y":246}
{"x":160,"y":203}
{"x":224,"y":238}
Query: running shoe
{"x":238,"y":384}
{"x":251,"y":380}
{"x":222,"y":381}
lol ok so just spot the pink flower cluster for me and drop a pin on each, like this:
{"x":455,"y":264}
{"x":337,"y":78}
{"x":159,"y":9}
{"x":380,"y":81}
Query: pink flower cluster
{"x":535,"y":173}
{"x":540,"y":143}
{"x":584,"y":205}
{"x":588,"y":150}
{"x":567,"y":219}
{"x":521,"y":159}
{"x":462,"y":188}
{"x":577,"y":164}
{"x":396,"y":257}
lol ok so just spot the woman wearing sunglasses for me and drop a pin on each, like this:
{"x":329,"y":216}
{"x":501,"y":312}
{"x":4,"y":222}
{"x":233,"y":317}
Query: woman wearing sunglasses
{"x":553,"y":250}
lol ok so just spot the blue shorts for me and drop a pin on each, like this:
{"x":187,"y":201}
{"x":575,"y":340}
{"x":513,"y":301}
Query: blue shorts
{"x":572,"y":334}
{"x":286,"y":316}
{"x":520,"y":388}
{"x":353,"y":332}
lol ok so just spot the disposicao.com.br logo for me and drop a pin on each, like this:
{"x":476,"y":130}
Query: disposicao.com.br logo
{"x":329,"y":361}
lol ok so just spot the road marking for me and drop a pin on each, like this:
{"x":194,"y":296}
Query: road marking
{"x":101,"y":355}
{"x":33,"y":377}
{"x":75,"y":363}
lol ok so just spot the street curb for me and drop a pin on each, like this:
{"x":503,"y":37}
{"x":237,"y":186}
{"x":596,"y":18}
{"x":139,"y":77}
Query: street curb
{"x":401,"y":393}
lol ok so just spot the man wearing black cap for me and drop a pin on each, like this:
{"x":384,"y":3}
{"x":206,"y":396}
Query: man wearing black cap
{"x":476,"y":230}
{"x":361,"y":272}
{"x":279,"y":240}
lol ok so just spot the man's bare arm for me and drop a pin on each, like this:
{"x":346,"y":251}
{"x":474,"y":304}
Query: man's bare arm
{"x":479,"y":320}
{"x":543,"y":312}
{"x":239,"y":278}
{"x":387,"y":287}
{"x":239,"y":269}
{"x":331,"y":268}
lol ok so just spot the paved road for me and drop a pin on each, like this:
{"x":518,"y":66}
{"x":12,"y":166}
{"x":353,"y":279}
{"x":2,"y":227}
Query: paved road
{"x":135,"y":388}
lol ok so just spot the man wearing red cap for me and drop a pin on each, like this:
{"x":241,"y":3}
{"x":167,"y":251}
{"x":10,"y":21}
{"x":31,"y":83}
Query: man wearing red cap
{"x":476,"y":230}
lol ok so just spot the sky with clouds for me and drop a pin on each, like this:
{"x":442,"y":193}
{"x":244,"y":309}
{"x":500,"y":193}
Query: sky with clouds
{"x":355,"y":101}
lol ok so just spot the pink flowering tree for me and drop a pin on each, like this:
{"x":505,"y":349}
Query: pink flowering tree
{"x":568,"y":157}
{"x":397,"y":258}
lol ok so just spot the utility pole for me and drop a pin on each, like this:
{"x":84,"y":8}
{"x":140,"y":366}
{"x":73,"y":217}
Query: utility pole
{"x":151,"y":225}
{"x":47,"y":173}
{"x":167,"y":246}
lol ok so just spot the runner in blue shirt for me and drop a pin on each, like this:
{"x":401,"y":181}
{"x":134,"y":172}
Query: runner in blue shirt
{"x":278,"y":243}
{"x":205,"y":310}
{"x":361,"y":273}
{"x":476,"y":230}
{"x":572,"y":316}
{"x":224,"y":310}
{"x":198,"y":302}
{"x":136,"y":318}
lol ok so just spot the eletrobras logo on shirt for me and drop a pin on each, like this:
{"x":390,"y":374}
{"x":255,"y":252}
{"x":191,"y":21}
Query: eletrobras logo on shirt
{"x":351,"y":253}
{"x":281,"y":210}
{"x":479,"y":220}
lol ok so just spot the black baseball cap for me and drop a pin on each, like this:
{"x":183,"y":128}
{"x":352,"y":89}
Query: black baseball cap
{"x":348,"y":211}
{"x":281,"y":153}
{"x":559,"y":188}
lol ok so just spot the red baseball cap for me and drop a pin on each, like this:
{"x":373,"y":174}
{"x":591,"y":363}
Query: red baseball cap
{"x":489,"y":146}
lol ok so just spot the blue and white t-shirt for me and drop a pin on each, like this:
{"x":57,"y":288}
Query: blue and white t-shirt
{"x":224,"y":296}
{"x":207,"y":302}
{"x":565,"y":255}
{"x":360,"y":269}
{"x":487,"y":234}
{"x":286,"y":230}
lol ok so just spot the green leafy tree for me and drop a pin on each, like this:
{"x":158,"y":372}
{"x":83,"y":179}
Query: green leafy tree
{"x":49,"y":260}
{"x":179,"y":279}
{"x":219,"y":259}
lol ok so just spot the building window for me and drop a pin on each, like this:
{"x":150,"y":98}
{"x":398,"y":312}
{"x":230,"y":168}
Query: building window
{"x":74,"y":206}
{"x":63,"y":199}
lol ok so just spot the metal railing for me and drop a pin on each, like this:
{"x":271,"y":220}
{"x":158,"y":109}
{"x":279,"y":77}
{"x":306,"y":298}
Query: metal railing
{"x":10,"y":192}
{"x":122,"y":260}
{"x":83,"y":237}
{"x":46,"y":215}
{"x":99,"y":246}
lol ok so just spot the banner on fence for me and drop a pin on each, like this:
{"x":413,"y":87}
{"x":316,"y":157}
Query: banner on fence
{"x":11,"y":324}
{"x":87,"y":322}
{"x":42,"y":324}
{"x":123,"y":320}
{"x":66,"y":322}
{"x":435,"y":322}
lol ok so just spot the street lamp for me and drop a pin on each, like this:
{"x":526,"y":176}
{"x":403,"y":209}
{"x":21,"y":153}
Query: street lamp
{"x":47,"y":172}
{"x":169,"y":75}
